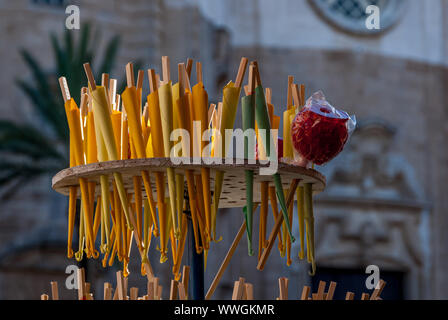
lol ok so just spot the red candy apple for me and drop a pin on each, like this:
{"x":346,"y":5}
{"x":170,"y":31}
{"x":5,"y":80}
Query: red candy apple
{"x":319,"y":131}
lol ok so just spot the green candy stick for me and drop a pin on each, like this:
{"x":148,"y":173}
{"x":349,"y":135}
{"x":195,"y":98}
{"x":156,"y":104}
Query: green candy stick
{"x":262,"y":118}
{"x":248,"y":117}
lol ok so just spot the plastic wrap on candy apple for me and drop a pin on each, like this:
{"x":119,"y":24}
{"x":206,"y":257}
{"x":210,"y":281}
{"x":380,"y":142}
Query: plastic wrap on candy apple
{"x":319,"y":131}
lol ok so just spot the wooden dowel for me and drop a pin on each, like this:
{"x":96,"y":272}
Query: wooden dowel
{"x":173,"y":290}
{"x":189,"y":67}
{"x":166,"y":69}
{"x":120,"y":286}
{"x":90,"y":77}
{"x":87,"y":285}
{"x":379,"y":288}
{"x":159,"y":292}
{"x":249,"y":291}
{"x":44,"y":296}
{"x":238,"y":289}
{"x":198,"y":72}
{"x":227,"y":259}
{"x":64,"y":89}
{"x":321,"y":290}
{"x":257,"y":74}
{"x":251,"y":80}
{"x":302,"y":95}
{"x":182,"y":294}
{"x":152,"y":81}
{"x":283,"y":290}
{"x":278,"y":224}
{"x":296,"y":95}
{"x":289,"y":98}
{"x":134,"y":293}
{"x":241,"y":72}
{"x":331,"y":290}
{"x":54,"y":290}
{"x":305,"y":293}
{"x":150,"y":290}
{"x":349,"y":296}
{"x":130,"y":80}
{"x":140,"y":78}
{"x":185,"y":278}
{"x":105,"y":81}
{"x":365,"y":296}
{"x":81,"y":284}
{"x":268,"y":95}
{"x":107,"y":291}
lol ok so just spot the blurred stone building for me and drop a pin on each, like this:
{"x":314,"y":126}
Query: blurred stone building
{"x":385,"y":200}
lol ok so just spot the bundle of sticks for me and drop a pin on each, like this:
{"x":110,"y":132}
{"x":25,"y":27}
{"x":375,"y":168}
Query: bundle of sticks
{"x":110,"y":126}
{"x":178,"y":289}
{"x":243,"y":290}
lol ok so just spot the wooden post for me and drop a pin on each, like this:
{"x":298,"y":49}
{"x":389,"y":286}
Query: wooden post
{"x":54,"y":290}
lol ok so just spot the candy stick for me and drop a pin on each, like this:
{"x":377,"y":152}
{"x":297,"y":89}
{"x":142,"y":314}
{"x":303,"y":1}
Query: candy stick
{"x":178,"y":176}
{"x":181,"y":247}
{"x":278,"y":223}
{"x":262,"y":118}
{"x":72,"y":113}
{"x":200,"y":99}
{"x":182,"y":112}
{"x":100,"y":110}
{"x":248,"y":115}
{"x":79,"y":254}
{"x":205,"y":237}
{"x":101,"y":155}
{"x":71,"y":220}
{"x":101,"y":113}
{"x":131,"y":105}
{"x":158,"y":149}
{"x":309,"y":221}
{"x":231,"y":93}
{"x":166,"y":115}
{"x":301,"y":218}
{"x":264,"y":191}
{"x":273,"y":201}
{"x":288,"y":241}
{"x":227,"y":258}
{"x":287,"y":141}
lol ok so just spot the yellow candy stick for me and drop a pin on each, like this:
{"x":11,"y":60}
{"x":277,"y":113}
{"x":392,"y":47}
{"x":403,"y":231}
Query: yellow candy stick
{"x":130,"y":101}
{"x":200,"y":100}
{"x":301,"y":218}
{"x":231,"y":95}
{"x":102,"y":118}
{"x":181,"y":108}
{"x":166,"y":116}
{"x":158,"y":149}
{"x":179,"y":177}
{"x":73,"y":189}
{"x":75,"y":130}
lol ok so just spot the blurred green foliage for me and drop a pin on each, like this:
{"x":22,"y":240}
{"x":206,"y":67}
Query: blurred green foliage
{"x":29,"y":149}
